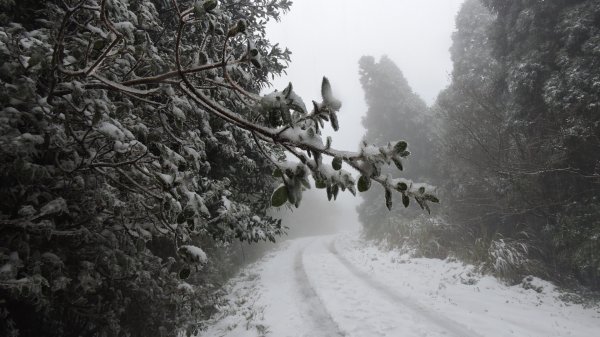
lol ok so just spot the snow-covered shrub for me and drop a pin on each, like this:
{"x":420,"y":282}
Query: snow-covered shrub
{"x":509,"y":258}
{"x":506,"y":256}
{"x":422,"y":236}
{"x":104,"y":178}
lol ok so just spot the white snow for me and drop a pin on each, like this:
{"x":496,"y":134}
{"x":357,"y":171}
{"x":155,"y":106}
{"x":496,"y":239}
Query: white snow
{"x":193,"y":254}
{"x":112,"y":131}
{"x":341,"y":286}
{"x":298,"y":135}
{"x":185,"y":287}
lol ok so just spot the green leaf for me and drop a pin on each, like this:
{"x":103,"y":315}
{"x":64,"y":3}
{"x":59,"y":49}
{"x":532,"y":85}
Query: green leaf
{"x":420,"y":202}
{"x":326,"y":89}
{"x":423,"y":204}
{"x":328,"y":142}
{"x":288,"y":90}
{"x":329,"y":193}
{"x":398,"y":163}
{"x":388,"y":199}
{"x":404,"y":154}
{"x":209,"y":5}
{"x":422,"y":190}
{"x":320,"y":184}
{"x":334,"y":121}
{"x":241,"y":25}
{"x":335,"y":190}
{"x":401,"y":187}
{"x":405,"y":200}
{"x":400,"y":146}
{"x":431,"y":198}
{"x":337,"y":163}
{"x":364,"y":183}
{"x":277,"y":173}
{"x":184,"y":273}
{"x":280,"y":196}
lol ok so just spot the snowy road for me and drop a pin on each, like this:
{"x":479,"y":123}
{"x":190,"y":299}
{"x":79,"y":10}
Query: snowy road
{"x":320,"y":318}
{"x":421,"y":320}
{"x":338,"y":286}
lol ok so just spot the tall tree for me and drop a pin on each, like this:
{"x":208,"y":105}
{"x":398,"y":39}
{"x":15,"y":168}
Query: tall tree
{"x":475,"y":137}
{"x":394,"y":112}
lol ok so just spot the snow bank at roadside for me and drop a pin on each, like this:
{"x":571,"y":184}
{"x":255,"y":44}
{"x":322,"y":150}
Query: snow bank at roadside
{"x":267,"y":299}
{"x":482,"y":303}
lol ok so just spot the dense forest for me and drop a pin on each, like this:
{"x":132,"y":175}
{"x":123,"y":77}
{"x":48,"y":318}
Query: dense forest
{"x":512,"y":143}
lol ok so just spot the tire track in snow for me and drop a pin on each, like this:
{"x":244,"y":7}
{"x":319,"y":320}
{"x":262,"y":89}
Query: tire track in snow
{"x":322,"y":320}
{"x":437,"y":318}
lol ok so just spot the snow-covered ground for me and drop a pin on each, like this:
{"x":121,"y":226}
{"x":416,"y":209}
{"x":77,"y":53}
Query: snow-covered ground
{"x":341,"y":286}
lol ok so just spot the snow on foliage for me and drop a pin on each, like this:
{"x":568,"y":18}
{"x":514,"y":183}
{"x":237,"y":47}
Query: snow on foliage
{"x":192,"y":254}
{"x":115,"y":165}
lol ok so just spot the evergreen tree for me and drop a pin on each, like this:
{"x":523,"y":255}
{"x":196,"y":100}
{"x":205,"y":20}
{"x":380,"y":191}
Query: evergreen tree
{"x":475,"y":137}
{"x":394,"y":112}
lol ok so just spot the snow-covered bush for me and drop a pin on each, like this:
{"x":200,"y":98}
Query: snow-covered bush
{"x":507,"y":256}
{"x":422,"y":236}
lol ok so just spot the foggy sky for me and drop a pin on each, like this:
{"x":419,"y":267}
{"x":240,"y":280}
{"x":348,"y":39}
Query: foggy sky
{"x":327,"y":38}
